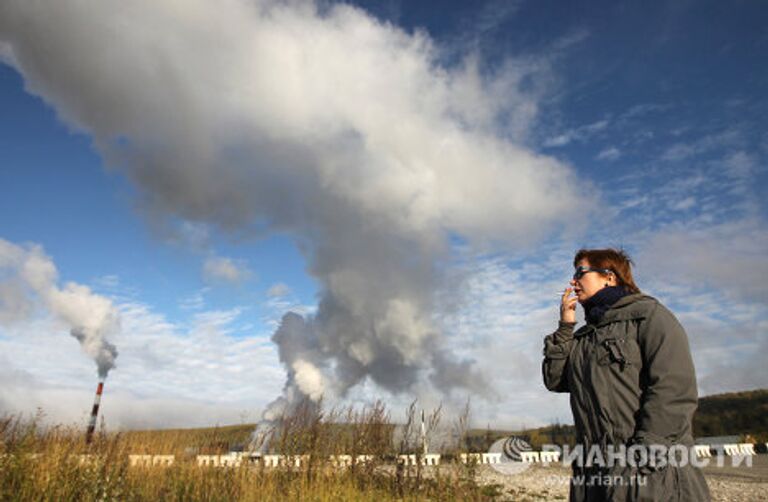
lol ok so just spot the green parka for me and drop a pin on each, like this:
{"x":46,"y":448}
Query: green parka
{"x":632,"y":382}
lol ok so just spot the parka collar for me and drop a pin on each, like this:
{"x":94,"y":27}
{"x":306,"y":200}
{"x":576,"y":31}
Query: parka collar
{"x":634,"y":306}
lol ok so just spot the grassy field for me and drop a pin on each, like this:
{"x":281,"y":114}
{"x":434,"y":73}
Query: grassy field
{"x":49,"y":464}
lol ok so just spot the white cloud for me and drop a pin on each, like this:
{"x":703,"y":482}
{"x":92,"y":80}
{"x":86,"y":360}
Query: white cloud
{"x":482,"y":24}
{"x":729,"y":257}
{"x":216,"y":320}
{"x":581,"y":133}
{"x":300,"y":139}
{"x":196,"y":235}
{"x":609,"y":154}
{"x":501,"y":325}
{"x":202,"y":370}
{"x":218,"y":269}
{"x":643,"y":110}
{"x":201,"y":366}
{"x":23,"y":393}
{"x":713,"y":278}
{"x":705,"y":144}
{"x":277,"y":290}
{"x":709,"y":182}
{"x":346,"y":133}
{"x":714,"y":285}
{"x":683,"y":204}
{"x":31,"y":286}
{"x":278,"y":70}
{"x":194,"y":301}
{"x":740,"y":165}
{"x":198,"y":371}
{"x":111,"y":281}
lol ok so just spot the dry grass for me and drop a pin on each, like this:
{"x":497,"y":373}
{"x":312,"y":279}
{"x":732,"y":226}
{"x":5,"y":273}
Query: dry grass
{"x":46,"y":463}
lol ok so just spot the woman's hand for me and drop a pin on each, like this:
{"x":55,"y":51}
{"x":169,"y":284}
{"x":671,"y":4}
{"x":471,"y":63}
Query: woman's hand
{"x":568,"y":306}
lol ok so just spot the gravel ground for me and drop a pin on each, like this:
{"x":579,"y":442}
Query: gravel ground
{"x":726,"y":483}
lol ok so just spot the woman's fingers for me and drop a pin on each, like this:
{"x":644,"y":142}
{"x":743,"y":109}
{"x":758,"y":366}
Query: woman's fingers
{"x":567,"y":299}
{"x":568,"y":306}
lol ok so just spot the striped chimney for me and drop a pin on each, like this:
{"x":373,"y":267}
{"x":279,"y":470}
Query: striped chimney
{"x":424,"y":446}
{"x":94,"y":413}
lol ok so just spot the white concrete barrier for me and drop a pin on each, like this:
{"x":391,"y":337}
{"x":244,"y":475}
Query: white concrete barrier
{"x":297,"y":460}
{"x":231,"y":460}
{"x":475,"y":458}
{"x":549,"y":456}
{"x":35,"y":457}
{"x":363,"y":459}
{"x":341,"y":461}
{"x":529,"y":456}
{"x":148,"y":460}
{"x":747,"y":449}
{"x":208,"y":460}
{"x":140,"y":460}
{"x":163,"y":460}
{"x":412,"y":459}
{"x":285,"y":460}
{"x":731,"y":449}
{"x":344,"y":461}
{"x":272,"y":460}
{"x":491,"y":458}
{"x":702,"y":450}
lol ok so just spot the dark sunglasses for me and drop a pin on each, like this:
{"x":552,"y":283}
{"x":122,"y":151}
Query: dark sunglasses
{"x":580,"y":271}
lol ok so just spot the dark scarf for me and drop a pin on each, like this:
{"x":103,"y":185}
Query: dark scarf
{"x":600,"y":302}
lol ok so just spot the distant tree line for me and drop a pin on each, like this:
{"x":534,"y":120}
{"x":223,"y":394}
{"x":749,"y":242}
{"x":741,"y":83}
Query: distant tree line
{"x":735,"y":413}
{"x":743,"y":414}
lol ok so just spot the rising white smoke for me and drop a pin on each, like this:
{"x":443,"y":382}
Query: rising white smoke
{"x":29,"y":284}
{"x":318,"y":121}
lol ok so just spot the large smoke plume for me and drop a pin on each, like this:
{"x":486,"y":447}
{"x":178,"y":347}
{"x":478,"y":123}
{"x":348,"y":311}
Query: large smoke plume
{"x":29,"y":284}
{"x":318,"y":121}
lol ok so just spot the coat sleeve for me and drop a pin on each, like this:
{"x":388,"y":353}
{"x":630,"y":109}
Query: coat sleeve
{"x":557,"y":347}
{"x":668,"y":380}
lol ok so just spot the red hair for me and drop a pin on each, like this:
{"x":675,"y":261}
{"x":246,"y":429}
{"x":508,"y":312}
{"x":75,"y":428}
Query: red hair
{"x":616,"y":260}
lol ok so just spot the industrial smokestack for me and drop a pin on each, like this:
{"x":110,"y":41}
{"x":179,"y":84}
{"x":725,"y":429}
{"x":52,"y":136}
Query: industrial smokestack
{"x":94,"y":413}
{"x":424,"y":445}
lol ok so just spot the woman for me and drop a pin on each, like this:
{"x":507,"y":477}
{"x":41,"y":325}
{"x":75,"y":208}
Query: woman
{"x":632,"y":383}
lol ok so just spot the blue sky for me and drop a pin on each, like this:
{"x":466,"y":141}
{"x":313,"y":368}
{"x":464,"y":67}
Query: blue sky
{"x":205,"y":189}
